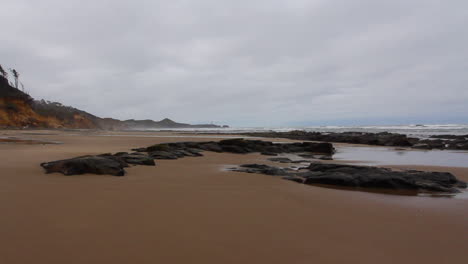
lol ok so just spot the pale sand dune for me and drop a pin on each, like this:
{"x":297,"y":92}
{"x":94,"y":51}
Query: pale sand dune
{"x":189,"y":211}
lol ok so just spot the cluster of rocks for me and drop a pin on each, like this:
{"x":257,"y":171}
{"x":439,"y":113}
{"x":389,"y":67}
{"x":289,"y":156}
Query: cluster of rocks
{"x":456,"y":137}
{"x":315,"y":173}
{"x":452,"y":142}
{"x":237,"y":145}
{"x":114,"y":164}
{"x":98,"y":164}
{"x":362,"y":177}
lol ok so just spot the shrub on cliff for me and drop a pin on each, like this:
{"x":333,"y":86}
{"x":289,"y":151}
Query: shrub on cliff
{"x":11,"y":107}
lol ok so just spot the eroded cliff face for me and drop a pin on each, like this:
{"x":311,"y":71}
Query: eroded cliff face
{"x":19,"y":114}
{"x":16,"y":113}
{"x":18,"y":110}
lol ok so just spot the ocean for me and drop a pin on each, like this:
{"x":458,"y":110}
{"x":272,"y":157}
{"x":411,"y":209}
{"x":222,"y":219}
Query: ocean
{"x":420,"y":131}
{"x":365,"y":155}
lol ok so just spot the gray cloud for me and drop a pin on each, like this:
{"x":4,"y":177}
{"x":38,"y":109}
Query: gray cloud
{"x":245,"y":63}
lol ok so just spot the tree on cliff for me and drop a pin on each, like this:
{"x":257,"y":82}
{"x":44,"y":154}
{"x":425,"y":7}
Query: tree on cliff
{"x":16,"y":76}
{"x":3,"y":72}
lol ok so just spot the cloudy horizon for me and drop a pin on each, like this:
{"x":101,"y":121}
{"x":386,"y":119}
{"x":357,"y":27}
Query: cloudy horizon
{"x":245,"y":63}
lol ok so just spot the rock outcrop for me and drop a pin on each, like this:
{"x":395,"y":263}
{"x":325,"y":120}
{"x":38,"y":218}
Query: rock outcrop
{"x":115,"y":164}
{"x":238,"y":145}
{"x":451,"y":142}
{"x":363,"y":177}
{"x":360,"y":177}
{"x":101,"y":164}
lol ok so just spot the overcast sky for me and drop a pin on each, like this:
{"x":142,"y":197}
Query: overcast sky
{"x":245,"y":63}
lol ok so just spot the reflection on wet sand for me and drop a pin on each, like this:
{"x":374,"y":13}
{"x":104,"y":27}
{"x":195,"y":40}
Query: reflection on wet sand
{"x":392,"y":156}
{"x":15,"y":140}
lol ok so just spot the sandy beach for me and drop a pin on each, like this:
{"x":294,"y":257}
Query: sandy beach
{"x":192,"y":211}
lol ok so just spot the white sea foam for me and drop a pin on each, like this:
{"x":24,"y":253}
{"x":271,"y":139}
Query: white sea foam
{"x":415,"y":130}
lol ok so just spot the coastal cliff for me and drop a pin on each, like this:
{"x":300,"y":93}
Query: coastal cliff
{"x":19,"y":110}
{"x":16,"y":109}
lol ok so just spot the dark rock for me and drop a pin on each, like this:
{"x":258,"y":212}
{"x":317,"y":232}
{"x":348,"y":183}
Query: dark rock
{"x":383,"y":139}
{"x":158,"y":147}
{"x":364,"y":177}
{"x":461,"y":146}
{"x":307,"y":156}
{"x":433,"y":144}
{"x":294,"y":179}
{"x":181,"y":153}
{"x":373,"y":177}
{"x":422,"y":146}
{"x":288,"y":160}
{"x":450,"y":136}
{"x":459,"y":142}
{"x":313,"y":147}
{"x":211,"y":146}
{"x":281,"y":160}
{"x":163,"y":155}
{"x":300,"y":161}
{"x":234,"y":141}
{"x":262,"y":169}
{"x":337,"y":178}
{"x":236,"y":145}
{"x":136,"y":158}
{"x":114,"y":164}
{"x":267,"y":153}
{"x":273,"y":149}
{"x":195,"y":152}
{"x":103,"y":164}
{"x":139,"y":149}
{"x":234,"y":149}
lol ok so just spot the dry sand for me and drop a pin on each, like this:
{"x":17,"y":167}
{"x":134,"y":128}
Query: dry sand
{"x":190,"y":211}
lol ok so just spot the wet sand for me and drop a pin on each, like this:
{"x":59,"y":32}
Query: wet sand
{"x":191,"y":211}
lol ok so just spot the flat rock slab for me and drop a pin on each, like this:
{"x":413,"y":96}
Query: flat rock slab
{"x":136,"y":158}
{"x":102,"y":164}
{"x":287,"y":160}
{"x":237,"y":145}
{"x":363,"y":177}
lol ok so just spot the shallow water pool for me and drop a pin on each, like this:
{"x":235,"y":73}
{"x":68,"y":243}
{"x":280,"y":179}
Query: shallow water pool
{"x":397,"y":156}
